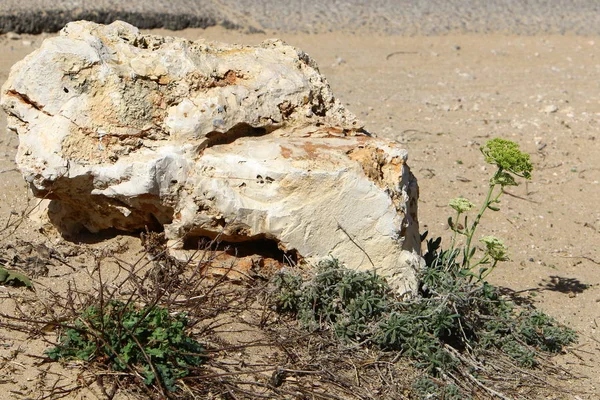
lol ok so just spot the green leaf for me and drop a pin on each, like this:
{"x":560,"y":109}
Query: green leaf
{"x":128,"y":351}
{"x":148,"y":375}
{"x":156,"y":352}
{"x":159,"y":334}
{"x":13,"y":278}
{"x":472,"y":252}
{"x":482,"y":271}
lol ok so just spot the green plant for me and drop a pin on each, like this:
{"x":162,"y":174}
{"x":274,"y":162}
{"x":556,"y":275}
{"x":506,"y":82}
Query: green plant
{"x":289,"y":293}
{"x":522,"y":354}
{"x":148,"y":341}
{"x":14,"y":278}
{"x":542,"y":331}
{"x":457,"y":317}
{"x":452,"y":311}
{"x":509,"y":162}
{"x":427,"y":389}
{"x":350,"y":302}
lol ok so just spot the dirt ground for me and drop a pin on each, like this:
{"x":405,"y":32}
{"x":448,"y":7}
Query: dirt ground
{"x":443,"y":97}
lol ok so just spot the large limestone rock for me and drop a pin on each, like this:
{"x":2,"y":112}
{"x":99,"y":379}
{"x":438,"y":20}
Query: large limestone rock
{"x":125,"y":130}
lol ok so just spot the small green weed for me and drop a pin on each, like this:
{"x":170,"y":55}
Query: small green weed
{"x":510,"y":162}
{"x":14,"y":278}
{"x":542,"y":331}
{"x":427,"y":389}
{"x":148,"y":341}
{"x":350,"y":302}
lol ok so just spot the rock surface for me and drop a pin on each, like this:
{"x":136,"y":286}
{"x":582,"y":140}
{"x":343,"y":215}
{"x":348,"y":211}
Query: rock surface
{"x":125,"y":130}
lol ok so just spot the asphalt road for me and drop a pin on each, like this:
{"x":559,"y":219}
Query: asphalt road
{"x":406,"y":17}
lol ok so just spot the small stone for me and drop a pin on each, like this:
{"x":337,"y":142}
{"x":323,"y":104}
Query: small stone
{"x":550,"y":109}
{"x":339,"y":61}
{"x":13,"y":36}
{"x":465,"y":75}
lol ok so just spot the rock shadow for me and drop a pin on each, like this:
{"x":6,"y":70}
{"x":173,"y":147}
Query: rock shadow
{"x":257,"y":245}
{"x":87,"y":237}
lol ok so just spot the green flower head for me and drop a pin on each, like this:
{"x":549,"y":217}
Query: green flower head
{"x":495,"y":248}
{"x":507,"y":156}
{"x":461,"y":205}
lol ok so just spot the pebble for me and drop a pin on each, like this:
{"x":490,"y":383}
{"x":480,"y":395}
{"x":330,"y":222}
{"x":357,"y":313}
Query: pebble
{"x":13,"y":36}
{"x":465,"y":75}
{"x":339,"y":61}
{"x":549,"y":109}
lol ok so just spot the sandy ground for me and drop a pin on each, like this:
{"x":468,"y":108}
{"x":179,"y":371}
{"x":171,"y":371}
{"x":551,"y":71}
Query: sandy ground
{"x":443,"y":96}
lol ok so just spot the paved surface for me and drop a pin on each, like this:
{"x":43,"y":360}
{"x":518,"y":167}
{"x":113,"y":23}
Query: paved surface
{"x":405,"y":17}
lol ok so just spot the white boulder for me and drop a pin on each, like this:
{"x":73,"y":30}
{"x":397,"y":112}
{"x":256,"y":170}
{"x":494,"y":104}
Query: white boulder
{"x":126,"y":130}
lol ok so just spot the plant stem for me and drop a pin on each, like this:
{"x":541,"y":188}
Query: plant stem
{"x":454,"y":230}
{"x":471,"y":231}
{"x":482,"y":277}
